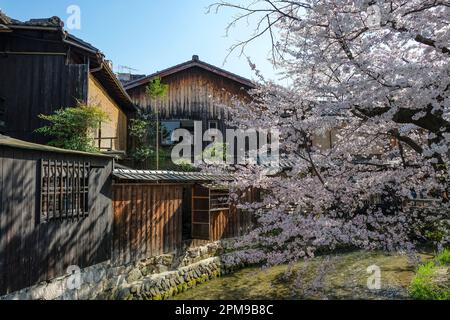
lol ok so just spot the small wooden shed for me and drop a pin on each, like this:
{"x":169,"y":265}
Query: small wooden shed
{"x":157,"y":212}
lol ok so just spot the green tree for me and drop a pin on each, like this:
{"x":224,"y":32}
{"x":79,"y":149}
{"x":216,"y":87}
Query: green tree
{"x":156,"y":89}
{"x":145,"y":128}
{"x":73,"y":128}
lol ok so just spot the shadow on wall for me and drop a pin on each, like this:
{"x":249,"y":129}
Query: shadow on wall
{"x":32,"y":251}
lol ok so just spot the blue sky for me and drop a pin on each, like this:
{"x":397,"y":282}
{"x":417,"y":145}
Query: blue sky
{"x":150,"y":35}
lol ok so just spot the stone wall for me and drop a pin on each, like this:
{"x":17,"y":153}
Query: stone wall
{"x":154,"y":278}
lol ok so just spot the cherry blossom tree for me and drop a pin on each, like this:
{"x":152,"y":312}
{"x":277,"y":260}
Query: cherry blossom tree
{"x":376,"y":74}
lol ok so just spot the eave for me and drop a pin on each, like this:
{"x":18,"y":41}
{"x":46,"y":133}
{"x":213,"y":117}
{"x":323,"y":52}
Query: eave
{"x":187,"y":65}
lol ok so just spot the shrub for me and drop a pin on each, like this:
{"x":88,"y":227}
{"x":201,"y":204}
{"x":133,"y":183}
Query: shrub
{"x":426,"y":285}
{"x":444,"y":257}
{"x":72,"y":128}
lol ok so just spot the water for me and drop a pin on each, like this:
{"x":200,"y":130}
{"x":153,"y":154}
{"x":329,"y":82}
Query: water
{"x":342,"y":276}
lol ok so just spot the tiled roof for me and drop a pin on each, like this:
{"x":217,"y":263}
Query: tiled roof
{"x":105,"y":75}
{"x":4,"y":28}
{"x":166,"y":176}
{"x":195,"y":62}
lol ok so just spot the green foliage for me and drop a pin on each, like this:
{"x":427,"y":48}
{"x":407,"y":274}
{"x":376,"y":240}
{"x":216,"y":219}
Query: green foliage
{"x":426,"y":284}
{"x":215,"y":153}
{"x":139,"y":128}
{"x":72,"y":128}
{"x":144,"y":127}
{"x":185,"y":166}
{"x":444,"y":257}
{"x":143,"y":153}
{"x":156,"y":89}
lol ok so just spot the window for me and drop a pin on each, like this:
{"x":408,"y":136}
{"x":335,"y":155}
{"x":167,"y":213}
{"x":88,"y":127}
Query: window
{"x":213,"y":125}
{"x":188,"y":125}
{"x":64,"y":190}
{"x":167,"y":127}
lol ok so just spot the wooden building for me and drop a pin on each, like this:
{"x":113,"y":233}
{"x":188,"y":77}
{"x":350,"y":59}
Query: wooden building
{"x":60,"y":208}
{"x":196,"y":92}
{"x":55,"y":211}
{"x":44,"y":68}
{"x":158,"y":212}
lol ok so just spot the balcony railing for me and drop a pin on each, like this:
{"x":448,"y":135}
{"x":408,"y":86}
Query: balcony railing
{"x":110,"y":143}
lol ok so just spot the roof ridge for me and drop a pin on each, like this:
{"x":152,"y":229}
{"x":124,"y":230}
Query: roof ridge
{"x":188,"y":64}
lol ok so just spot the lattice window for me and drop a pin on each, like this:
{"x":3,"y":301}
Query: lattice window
{"x":64,"y":190}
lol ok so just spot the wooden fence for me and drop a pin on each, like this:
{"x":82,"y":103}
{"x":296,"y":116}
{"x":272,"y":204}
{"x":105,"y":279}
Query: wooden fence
{"x":33,"y":249}
{"x":148,"y":221}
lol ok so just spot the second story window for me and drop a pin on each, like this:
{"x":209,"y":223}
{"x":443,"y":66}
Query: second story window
{"x":167,"y":127}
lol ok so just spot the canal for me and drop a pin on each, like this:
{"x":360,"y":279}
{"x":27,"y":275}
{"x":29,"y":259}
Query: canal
{"x":343,"y":276}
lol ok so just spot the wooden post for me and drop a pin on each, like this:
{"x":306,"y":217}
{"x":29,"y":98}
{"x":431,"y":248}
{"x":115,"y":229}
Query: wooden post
{"x":157,"y":135}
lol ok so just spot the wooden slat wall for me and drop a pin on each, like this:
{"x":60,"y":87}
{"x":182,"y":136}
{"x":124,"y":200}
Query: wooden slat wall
{"x":233,"y":222}
{"x":229,"y":224}
{"x":147,"y":220}
{"x":30,"y":251}
{"x":38,"y":85}
{"x":194,"y":94}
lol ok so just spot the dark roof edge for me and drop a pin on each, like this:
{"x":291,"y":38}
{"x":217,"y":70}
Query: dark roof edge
{"x":56,"y":24}
{"x":126,"y":97}
{"x":104,"y":67}
{"x":20,"y":144}
{"x":186,"y":65}
{"x":158,"y":176}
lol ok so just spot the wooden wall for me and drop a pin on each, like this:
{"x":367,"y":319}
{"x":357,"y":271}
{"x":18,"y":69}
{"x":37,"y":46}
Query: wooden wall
{"x":229,"y":224}
{"x":147,"y":220}
{"x":30,"y":251}
{"x":232,"y":223}
{"x":116,"y":127}
{"x":33,"y":85}
{"x":194,"y":94}
{"x":40,"y":74}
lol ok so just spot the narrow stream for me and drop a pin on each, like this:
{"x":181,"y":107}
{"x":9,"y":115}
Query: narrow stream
{"x":343,"y":276}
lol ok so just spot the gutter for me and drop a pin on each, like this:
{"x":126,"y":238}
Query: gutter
{"x":34,"y":28}
{"x":80,"y":46}
{"x":34,"y":53}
